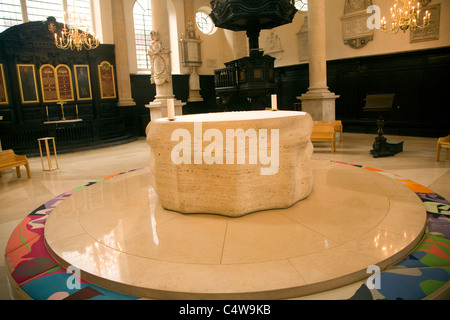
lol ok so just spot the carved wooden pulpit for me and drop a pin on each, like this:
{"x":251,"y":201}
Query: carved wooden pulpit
{"x":247,"y":83}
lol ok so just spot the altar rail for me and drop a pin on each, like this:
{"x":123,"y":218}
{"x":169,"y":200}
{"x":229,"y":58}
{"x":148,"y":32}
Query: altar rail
{"x":69,"y":136}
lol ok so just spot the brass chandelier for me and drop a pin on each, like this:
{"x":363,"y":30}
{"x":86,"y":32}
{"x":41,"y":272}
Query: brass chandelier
{"x":75,"y":34}
{"x":406,"y":15}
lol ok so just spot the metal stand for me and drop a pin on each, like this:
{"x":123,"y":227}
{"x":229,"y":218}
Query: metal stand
{"x":380,"y":103}
{"x":380,"y":146}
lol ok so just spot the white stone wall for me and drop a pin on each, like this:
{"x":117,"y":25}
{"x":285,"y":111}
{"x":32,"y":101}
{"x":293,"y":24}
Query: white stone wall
{"x":226,"y":45}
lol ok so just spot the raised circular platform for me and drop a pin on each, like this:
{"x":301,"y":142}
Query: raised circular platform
{"x":121,"y":238}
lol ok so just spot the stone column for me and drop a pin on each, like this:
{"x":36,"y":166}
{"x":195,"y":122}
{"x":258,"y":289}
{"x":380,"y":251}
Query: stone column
{"x":121,"y":52}
{"x":159,"y":52}
{"x":319,"y":102}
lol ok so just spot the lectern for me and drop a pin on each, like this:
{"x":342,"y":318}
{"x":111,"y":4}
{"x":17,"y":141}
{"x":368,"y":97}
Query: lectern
{"x":380,"y":103}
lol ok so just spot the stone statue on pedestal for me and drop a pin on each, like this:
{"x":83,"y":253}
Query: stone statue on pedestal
{"x":160,"y":60}
{"x":161,"y":76}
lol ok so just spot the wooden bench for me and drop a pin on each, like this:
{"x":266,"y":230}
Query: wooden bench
{"x":8,"y":160}
{"x":443,"y":143}
{"x":323,"y":131}
{"x":337,"y":127}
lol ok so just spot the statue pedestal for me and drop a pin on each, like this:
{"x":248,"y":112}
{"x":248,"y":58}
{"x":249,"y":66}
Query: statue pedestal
{"x":194,"y":87}
{"x":231,"y":163}
{"x":158,"y":108}
{"x":321,"y":106}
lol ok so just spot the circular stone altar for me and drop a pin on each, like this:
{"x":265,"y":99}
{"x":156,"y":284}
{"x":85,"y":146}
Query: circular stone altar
{"x":121,"y":238}
{"x":231,"y":163}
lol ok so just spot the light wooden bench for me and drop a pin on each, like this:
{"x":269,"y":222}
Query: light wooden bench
{"x":324,"y":132}
{"x":443,"y":143}
{"x":8,"y":160}
{"x":338,"y":128}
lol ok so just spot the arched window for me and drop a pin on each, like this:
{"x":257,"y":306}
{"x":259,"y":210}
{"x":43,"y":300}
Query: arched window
{"x":301,"y":5}
{"x":82,"y":8}
{"x":39,"y":10}
{"x":142,"y":14}
{"x":13,"y":12}
{"x":204,"y":21}
{"x":10,"y":14}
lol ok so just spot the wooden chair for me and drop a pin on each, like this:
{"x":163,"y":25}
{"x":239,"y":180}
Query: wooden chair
{"x":8,"y":160}
{"x":443,"y":143}
{"x":323,"y":131}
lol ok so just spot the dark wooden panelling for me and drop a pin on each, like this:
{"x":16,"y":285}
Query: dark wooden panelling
{"x":69,"y":136}
{"x":419,"y":79}
{"x":23,"y":123}
{"x":142,"y":91}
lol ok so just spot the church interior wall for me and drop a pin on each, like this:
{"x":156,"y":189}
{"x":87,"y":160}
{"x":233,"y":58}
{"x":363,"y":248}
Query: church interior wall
{"x":382,"y":43}
{"x":417,"y":70}
{"x":217,"y":48}
{"x":345,"y":69}
{"x":225,"y":45}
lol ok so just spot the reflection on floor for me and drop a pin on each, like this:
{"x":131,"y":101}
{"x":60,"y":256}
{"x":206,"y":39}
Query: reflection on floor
{"x":21,"y":196}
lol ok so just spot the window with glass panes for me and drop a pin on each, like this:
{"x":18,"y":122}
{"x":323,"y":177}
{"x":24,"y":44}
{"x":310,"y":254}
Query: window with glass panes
{"x":301,"y":5}
{"x":142,"y":14}
{"x":204,"y":22}
{"x":39,"y":10}
{"x":12,"y":12}
{"x":81,"y":8}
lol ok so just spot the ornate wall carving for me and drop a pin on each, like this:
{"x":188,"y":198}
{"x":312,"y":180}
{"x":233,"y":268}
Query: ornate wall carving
{"x":192,"y":59}
{"x":354,"y":23}
{"x":272,"y":46}
{"x":303,"y":41}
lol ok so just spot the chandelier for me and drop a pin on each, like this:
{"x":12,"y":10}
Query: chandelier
{"x":406,"y":15}
{"x":75,"y":34}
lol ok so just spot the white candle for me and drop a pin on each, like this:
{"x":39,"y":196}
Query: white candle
{"x":274,"y":102}
{"x":170,"y":109}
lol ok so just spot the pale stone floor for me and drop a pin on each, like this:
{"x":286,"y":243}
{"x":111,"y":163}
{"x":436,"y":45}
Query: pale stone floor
{"x":18,"y":197}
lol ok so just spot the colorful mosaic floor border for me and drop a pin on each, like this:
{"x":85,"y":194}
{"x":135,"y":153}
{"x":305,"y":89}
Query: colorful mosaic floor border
{"x":34,"y":274}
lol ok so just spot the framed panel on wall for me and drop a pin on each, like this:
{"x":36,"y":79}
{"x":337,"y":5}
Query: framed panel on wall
{"x":3,"y":92}
{"x":431,"y":32}
{"x":27,"y":82}
{"x":83,"y":82}
{"x":65,"y":86}
{"x":49,"y":88}
{"x":191,"y":52}
{"x":107,"y":82}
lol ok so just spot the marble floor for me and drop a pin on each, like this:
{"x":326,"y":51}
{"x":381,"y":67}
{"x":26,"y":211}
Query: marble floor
{"x":18,"y":197}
